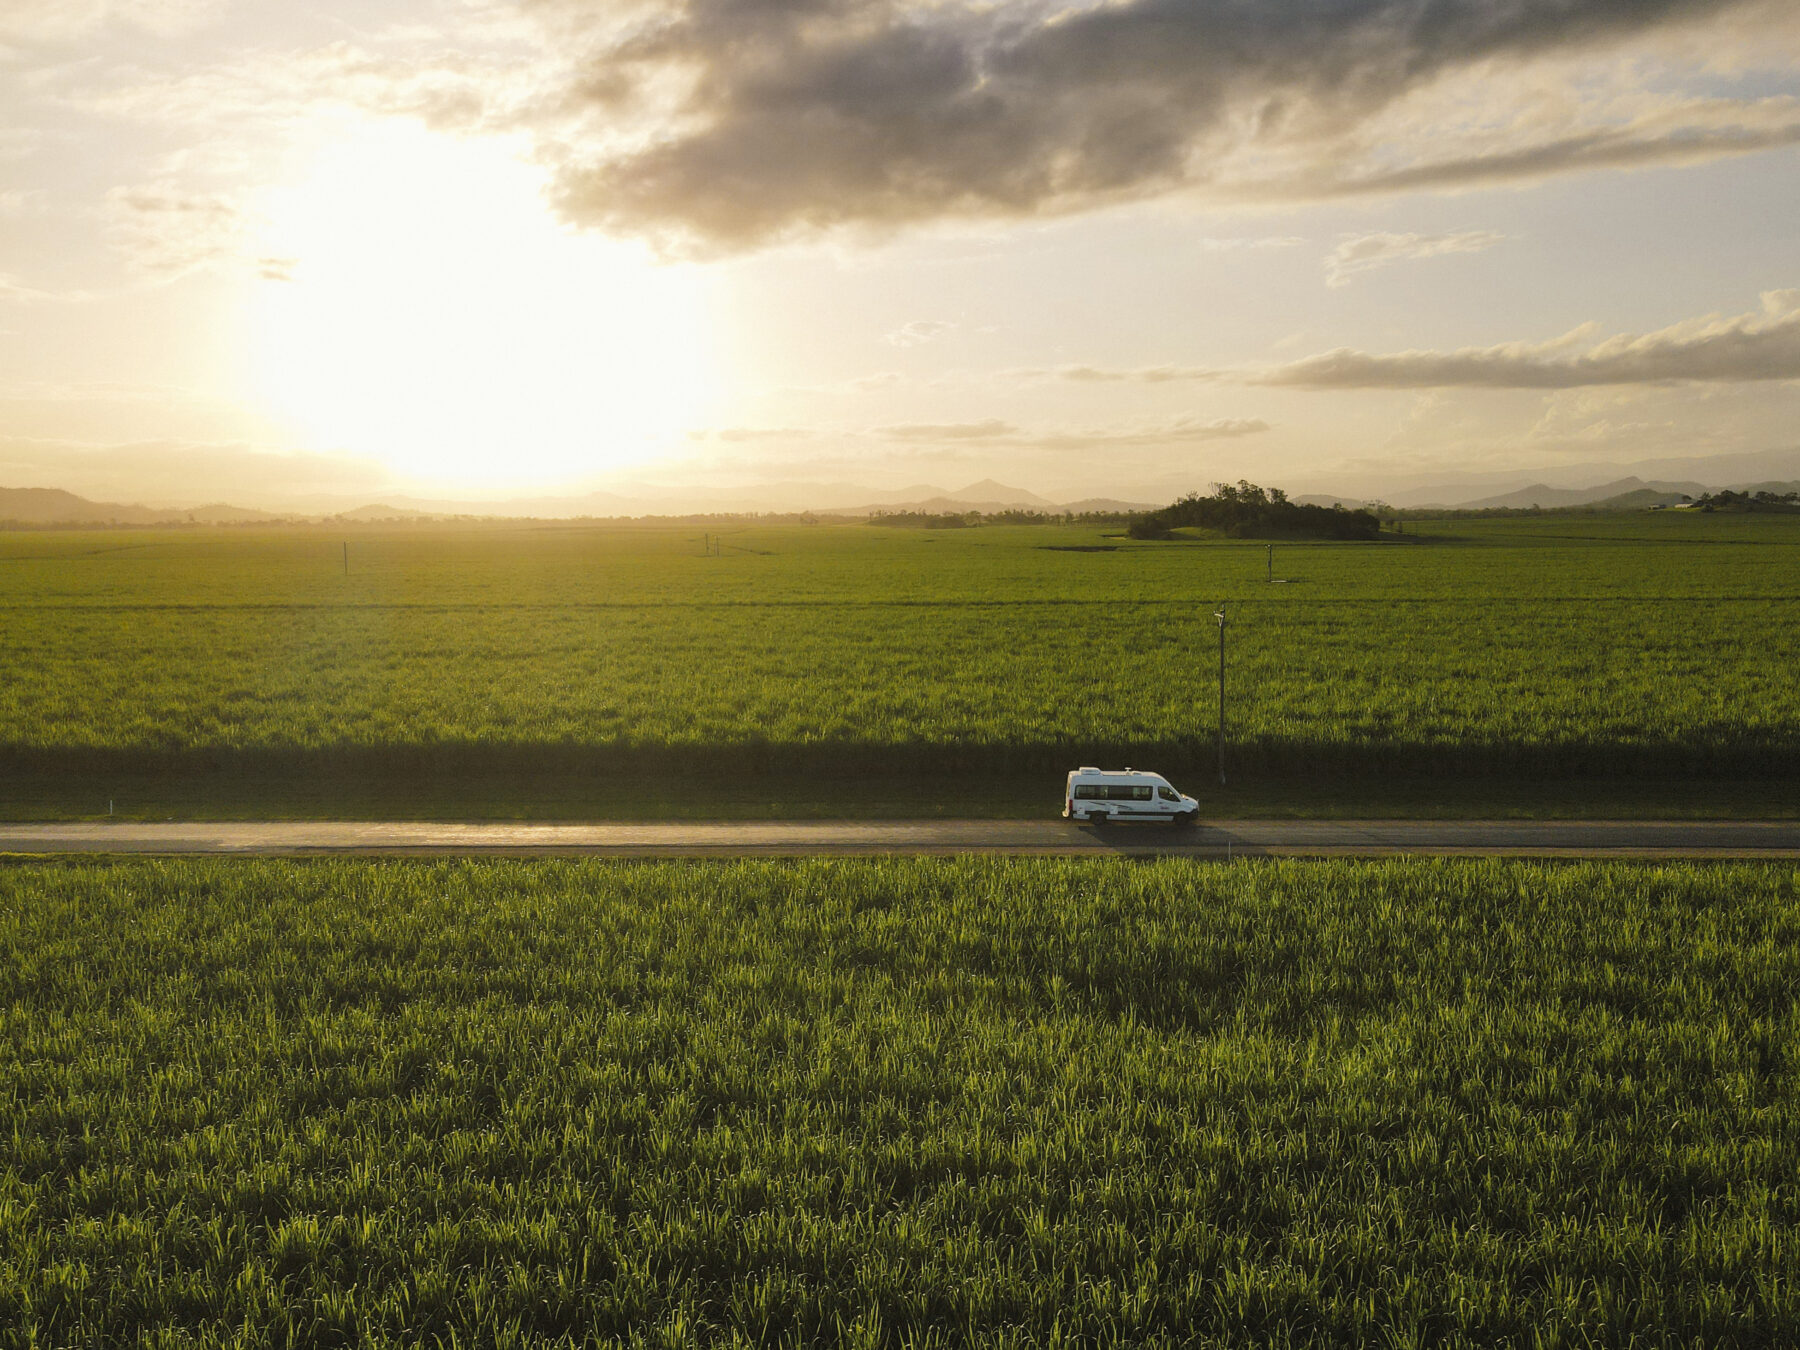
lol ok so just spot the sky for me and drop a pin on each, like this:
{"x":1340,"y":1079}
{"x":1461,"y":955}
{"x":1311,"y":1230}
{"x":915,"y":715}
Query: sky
{"x":263,"y":253}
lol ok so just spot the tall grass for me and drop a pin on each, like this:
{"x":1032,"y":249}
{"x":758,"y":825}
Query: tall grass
{"x":898,"y":1102}
{"x":1654,"y":646}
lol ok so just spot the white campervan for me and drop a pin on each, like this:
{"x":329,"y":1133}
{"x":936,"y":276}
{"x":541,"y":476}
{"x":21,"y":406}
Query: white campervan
{"x":1101,"y":796}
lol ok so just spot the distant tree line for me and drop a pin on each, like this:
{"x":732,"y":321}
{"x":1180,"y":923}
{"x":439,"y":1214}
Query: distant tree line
{"x":958,"y":520}
{"x":1245,"y":511}
{"x":1749,"y":501}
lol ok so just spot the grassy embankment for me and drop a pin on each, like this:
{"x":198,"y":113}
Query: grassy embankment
{"x":888,"y":1103}
{"x":1561,"y":665}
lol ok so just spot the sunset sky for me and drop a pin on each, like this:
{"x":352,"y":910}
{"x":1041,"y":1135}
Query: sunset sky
{"x":254,"y":251}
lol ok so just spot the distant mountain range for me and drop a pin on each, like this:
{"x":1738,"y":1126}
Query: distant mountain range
{"x":1714,"y":472}
{"x":1622,"y":494}
{"x":53,"y":506}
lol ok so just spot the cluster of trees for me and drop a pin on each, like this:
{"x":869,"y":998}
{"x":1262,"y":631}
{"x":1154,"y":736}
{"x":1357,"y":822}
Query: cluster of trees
{"x":1246,"y":511}
{"x":1749,"y":501}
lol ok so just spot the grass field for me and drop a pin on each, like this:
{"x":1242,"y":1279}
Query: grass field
{"x":604,"y":670}
{"x":893,"y":1103}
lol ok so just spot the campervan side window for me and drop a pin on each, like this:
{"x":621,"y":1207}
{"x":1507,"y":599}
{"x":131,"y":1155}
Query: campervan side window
{"x":1110,"y":792}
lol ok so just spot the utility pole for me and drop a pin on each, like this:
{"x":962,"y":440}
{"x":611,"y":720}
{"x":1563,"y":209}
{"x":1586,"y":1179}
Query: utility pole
{"x":1271,"y":564}
{"x":1219,"y":614}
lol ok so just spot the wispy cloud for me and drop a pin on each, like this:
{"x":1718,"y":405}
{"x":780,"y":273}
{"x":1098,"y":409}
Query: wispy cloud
{"x":1238,"y":243}
{"x":1366,"y":252}
{"x":1174,"y":431}
{"x":1760,"y":346}
{"x":1672,"y":133}
{"x":993,"y":434}
{"x":948,"y":431}
{"x":746,"y":435}
{"x":167,"y":231}
{"x":49,"y":23}
{"x":919,"y":331}
{"x":1166,"y":374}
{"x":1179,"y":431}
{"x":1744,"y":348}
{"x":13,"y":288}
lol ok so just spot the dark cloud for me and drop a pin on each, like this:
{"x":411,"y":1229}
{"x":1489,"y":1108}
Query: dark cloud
{"x":1743,"y":348}
{"x":776,"y":116}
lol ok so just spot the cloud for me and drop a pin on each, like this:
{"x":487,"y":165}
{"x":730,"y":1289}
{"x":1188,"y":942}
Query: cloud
{"x":994,"y":434}
{"x":919,"y":331}
{"x":727,"y":124}
{"x":1181,"y":430}
{"x":166,"y":231}
{"x":1364,"y":253}
{"x":745,"y":435}
{"x":38,"y":23}
{"x":1117,"y":375}
{"x":417,"y":72}
{"x":1673,"y":134}
{"x":1237,"y":243}
{"x":1149,"y":434}
{"x":948,"y":431}
{"x":12,"y":288}
{"x":1743,"y":348}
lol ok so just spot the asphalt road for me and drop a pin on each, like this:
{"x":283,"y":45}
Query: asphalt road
{"x":680,"y":839}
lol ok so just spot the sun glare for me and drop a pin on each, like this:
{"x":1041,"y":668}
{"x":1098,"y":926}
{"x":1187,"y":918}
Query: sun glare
{"x":424,"y":308}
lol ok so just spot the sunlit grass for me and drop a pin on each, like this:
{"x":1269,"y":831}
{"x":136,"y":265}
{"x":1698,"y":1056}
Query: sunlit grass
{"x":1589,"y":646}
{"x":879,"y":1101}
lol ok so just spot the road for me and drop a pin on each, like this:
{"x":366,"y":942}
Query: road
{"x":680,"y":839}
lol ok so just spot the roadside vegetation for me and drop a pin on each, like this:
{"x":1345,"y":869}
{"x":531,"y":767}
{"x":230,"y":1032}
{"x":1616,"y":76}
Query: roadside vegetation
{"x":895,"y":1103}
{"x":623,"y":670}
